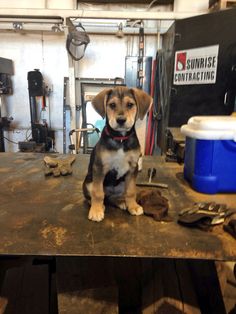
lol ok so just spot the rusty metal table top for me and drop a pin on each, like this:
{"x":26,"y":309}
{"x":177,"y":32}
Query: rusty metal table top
{"x":48,"y":216}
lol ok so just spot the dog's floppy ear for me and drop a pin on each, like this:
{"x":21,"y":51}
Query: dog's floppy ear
{"x":99,"y":102}
{"x":143,"y":101}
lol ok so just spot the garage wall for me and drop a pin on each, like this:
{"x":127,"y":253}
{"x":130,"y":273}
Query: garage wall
{"x":39,"y":4}
{"x":104,"y":57}
{"x":28,"y":52}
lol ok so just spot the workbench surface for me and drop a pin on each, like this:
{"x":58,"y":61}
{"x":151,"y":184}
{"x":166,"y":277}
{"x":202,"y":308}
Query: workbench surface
{"x":48,"y":216}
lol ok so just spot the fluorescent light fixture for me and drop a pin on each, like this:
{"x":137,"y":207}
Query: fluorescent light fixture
{"x":31,"y":23}
{"x":31,"y":19}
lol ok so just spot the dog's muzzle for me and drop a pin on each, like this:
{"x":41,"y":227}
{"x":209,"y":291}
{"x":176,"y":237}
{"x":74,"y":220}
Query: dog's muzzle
{"x":121,"y":121}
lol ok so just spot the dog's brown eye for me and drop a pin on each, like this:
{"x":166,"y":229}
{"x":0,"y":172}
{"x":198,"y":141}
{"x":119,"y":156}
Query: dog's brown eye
{"x":130,"y":105}
{"x":112,"y":106}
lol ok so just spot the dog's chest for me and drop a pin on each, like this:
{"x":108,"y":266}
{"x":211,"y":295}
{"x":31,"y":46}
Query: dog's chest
{"x":120,"y":161}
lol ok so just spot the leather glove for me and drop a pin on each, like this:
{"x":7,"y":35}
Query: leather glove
{"x":231,"y":229}
{"x":204,"y":215}
{"x":58,"y":166}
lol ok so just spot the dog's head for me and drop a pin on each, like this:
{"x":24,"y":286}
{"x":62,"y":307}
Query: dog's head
{"x":122,"y":106}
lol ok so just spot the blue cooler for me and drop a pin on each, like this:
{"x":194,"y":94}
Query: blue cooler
{"x":210,"y":153}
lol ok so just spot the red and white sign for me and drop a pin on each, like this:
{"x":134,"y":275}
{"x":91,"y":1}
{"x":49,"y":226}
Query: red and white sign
{"x":196,"y":66}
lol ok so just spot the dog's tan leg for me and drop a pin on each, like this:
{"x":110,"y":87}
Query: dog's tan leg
{"x":97,"y":209}
{"x":130,"y":198}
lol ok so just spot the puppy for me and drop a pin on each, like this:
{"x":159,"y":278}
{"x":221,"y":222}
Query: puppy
{"x":113,"y":166}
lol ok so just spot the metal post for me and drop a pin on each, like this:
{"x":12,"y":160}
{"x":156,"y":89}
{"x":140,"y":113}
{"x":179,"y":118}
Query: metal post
{"x":140,"y":58}
{"x":2,"y":145}
{"x":72,"y":99}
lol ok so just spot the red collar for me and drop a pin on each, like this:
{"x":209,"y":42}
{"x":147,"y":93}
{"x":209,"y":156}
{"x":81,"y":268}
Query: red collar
{"x":116,"y":138}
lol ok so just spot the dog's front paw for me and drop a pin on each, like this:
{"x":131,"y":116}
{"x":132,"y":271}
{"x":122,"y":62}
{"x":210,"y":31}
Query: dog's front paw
{"x":135,"y":210}
{"x":122,"y":205}
{"x":96,"y":213}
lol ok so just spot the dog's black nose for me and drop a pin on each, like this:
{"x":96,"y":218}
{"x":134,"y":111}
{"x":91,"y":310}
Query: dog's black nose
{"x":121,"y":120}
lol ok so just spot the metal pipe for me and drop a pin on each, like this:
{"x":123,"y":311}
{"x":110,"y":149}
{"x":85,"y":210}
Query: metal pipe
{"x":101,"y":14}
{"x":31,"y":19}
{"x":32,"y":27}
{"x":90,"y":30}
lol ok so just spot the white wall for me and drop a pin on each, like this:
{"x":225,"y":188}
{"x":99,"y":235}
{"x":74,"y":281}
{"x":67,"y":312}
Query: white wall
{"x":38,"y":4}
{"x":191,"y":6}
{"x":104,"y":58}
{"x":105,"y":55}
{"x":29,"y":52}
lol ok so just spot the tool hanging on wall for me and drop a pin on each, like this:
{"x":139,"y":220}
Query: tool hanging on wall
{"x":76,"y":44}
{"x":140,"y":58}
{"x":6,"y":70}
{"x":77,"y":41}
{"x":154,"y":113}
{"x":42,"y":135}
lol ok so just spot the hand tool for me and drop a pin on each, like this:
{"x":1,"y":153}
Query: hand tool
{"x":151,"y":175}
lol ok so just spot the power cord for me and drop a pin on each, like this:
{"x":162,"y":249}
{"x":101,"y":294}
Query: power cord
{"x":10,"y":140}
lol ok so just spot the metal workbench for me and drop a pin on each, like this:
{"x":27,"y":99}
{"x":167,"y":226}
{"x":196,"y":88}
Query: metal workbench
{"x":48,"y":216}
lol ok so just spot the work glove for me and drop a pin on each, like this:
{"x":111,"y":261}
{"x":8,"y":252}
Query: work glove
{"x":154,"y":204}
{"x":58,"y":166}
{"x":204,"y":215}
{"x":231,"y":229}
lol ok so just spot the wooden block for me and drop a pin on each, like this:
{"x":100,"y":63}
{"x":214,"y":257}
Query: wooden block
{"x":26,"y":289}
{"x":189,"y":297}
{"x":89,"y":301}
{"x":10,"y":262}
{"x":84,"y":272}
{"x":225,"y":271}
{"x":53,"y":295}
{"x":3,"y":305}
{"x":221,"y":5}
{"x":207,"y":286}
{"x":169,"y":289}
{"x":86,"y":285}
{"x":231,"y":4}
{"x":128,"y":274}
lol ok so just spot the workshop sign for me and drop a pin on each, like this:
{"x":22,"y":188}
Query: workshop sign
{"x":196,"y":66}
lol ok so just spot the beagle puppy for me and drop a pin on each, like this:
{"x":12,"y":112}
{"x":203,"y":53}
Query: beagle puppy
{"x":113,"y":166}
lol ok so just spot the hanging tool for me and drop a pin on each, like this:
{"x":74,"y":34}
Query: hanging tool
{"x":140,"y":58}
{"x":42,"y":136}
{"x":77,"y":41}
{"x":6,"y":70}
